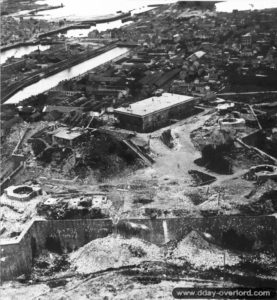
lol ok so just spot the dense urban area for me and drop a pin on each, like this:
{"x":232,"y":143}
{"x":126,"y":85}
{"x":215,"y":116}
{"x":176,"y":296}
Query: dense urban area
{"x":153,"y":169}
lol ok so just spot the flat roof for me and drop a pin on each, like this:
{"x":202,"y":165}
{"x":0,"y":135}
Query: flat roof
{"x":67,"y":134}
{"x":153,"y":104}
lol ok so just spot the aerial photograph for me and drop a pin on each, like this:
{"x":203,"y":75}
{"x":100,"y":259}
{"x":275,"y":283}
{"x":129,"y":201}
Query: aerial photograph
{"x":138,"y":149}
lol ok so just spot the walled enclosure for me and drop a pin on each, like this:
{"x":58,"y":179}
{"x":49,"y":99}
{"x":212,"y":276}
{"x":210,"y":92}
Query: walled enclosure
{"x":68,"y":235}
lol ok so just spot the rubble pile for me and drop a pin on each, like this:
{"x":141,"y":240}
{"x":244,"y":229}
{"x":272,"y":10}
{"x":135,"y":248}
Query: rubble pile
{"x":210,"y":135}
{"x":263,"y":199}
{"x":95,"y":154}
{"x":214,"y":158}
{"x":75,"y":208}
{"x":195,"y":249}
{"x":82,"y":140}
{"x":116,"y":252}
{"x":246,"y":158}
{"x":113,"y":252}
{"x":105,"y":157}
{"x":9,"y":141}
{"x":214,"y":146}
{"x":49,"y":263}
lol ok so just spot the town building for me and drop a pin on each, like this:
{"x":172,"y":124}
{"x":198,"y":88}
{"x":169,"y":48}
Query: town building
{"x":246,"y":39}
{"x":154,"y":112}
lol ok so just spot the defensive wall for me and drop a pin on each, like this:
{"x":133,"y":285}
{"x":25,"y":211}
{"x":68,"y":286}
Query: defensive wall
{"x":68,"y":235}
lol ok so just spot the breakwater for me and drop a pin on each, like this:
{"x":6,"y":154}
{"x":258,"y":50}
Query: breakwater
{"x":69,"y":235}
{"x":86,"y":24}
{"x":34,"y":11}
{"x":107,"y":19}
{"x":64,"y":29}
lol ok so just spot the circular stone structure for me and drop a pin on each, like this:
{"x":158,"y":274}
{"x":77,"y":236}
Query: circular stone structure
{"x":22,"y":192}
{"x":231,"y":123}
{"x":262,"y":173}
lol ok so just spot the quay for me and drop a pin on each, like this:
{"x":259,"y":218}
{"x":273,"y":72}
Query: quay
{"x":63,"y":65}
{"x":81,"y":25}
{"x":46,"y":74}
{"x":20,"y":44}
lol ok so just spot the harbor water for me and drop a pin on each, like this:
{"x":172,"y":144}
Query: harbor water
{"x":21,"y":51}
{"x":85,"y":9}
{"x":51,"y":81}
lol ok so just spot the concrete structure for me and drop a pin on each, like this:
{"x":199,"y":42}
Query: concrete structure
{"x":99,"y":199}
{"x":22,"y":192}
{"x":17,"y":254}
{"x":232,"y":123}
{"x":225,"y":106}
{"x":155,"y":112}
{"x":262,"y":173}
{"x":67,"y":137}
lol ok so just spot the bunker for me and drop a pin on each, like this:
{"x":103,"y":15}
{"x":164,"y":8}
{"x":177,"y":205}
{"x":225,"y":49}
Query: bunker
{"x":155,"y":112}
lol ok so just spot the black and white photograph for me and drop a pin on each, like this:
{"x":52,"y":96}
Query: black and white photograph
{"x":138,"y":149}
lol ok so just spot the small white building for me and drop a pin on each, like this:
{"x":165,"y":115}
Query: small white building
{"x":67,"y":137}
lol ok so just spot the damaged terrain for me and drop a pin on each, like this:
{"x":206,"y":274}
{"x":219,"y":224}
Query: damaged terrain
{"x":110,"y":266}
{"x":136,"y":177}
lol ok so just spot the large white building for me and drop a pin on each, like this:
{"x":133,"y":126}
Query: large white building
{"x":154,"y":112}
